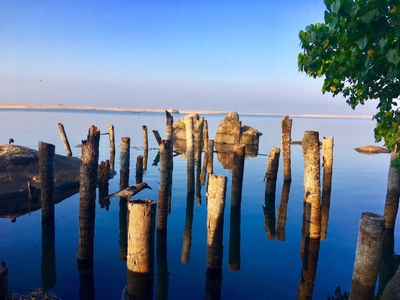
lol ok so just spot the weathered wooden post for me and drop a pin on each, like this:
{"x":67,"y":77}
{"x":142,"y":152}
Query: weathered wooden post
{"x":140,"y":255}
{"x":198,"y":136}
{"x":146,"y":147}
{"x":286,"y":151}
{"x":312,"y":207}
{"x":236,"y":204}
{"x":393,"y":191}
{"x":157,"y":136}
{"x":187,"y":234}
{"x":170,"y":164}
{"x":87,"y":194}
{"x":162,"y":204}
{"x":216,"y":193}
{"x":327,"y":163}
{"x":3,"y":280}
{"x":123,"y":183}
{"x":270,"y":189}
{"x":169,"y":126}
{"x":282,"y":212}
{"x":139,"y":169}
{"x":368,"y":255}
{"x":104,"y":172}
{"x":112,"y":146}
{"x":309,"y":269}
{"x":64,"y":139}
{"x":46,"y":170}
{"x":210,"y":150}
{"x":205,"y":136}
{"x":237,"y":132}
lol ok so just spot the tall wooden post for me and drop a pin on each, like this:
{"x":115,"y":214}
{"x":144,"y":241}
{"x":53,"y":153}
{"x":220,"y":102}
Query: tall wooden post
{"x":393,"y":191}
{"x":327,"y":163}
{"x":368,"y":255}
{"x":163,"y":188}
{"x":216,"y":193}
{"x":140,"y":255}
{"x":190,"y":152}
{"x":87,"y":193}
{"x":210,"y":150}
{"x":123,"y":183}
{"x":145,"y":148}
{"x":312,"y":207}
{"x":47,"y":169}
{"x":124,"y":162}
{"x":64,"y":139}
{"x":286,"y":151}
{"x":236,"y":204}
{"x":112,"y":146}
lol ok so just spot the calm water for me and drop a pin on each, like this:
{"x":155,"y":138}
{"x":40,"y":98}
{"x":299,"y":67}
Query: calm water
{"x":269,"y":269}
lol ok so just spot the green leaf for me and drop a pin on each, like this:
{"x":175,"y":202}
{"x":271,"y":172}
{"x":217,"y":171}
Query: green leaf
{"x":382,"y":43}
{"x":393,"y":56}
{"x":367,"y":18}
{"x":361,"y":43}
{"x":350,"y":7}
{"x":335,"y":6}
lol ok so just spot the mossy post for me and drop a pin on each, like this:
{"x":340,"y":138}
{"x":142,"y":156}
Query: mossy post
{"x":327,"y":163}
{"x":216,"y":194}
{"x":139,"y":169}
{"x":368,"y":256}
{"x":270,"y":190}
{"x":112,"y":146}
{"x":87,"y":194}
{"x":145,"y":147}
{"x":140,"y":254}
{"x":162,"y":203}
{"x":3,"y":280}
{"x":236,"y":204}
{"x":286,"y":150}
{"x":312,"y":190}
{"x":64,"y":139}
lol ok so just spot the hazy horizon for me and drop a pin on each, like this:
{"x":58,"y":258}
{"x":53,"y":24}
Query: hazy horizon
{"x":213,"y":55}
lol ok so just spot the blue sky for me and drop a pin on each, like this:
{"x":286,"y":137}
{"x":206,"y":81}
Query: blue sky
{"x":221,"y":55}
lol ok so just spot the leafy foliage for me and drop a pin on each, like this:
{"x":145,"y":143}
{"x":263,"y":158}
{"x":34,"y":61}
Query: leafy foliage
{"x":357,"y":49}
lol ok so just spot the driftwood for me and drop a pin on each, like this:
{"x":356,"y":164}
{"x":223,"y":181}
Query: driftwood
{"x":371,"y":149}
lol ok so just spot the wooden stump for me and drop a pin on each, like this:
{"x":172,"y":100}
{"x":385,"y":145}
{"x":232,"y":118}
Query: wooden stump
{"x":64,"y":139}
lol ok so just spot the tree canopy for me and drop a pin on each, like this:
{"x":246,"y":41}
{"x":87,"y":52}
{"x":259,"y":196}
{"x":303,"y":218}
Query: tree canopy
{"x":357,"y":50}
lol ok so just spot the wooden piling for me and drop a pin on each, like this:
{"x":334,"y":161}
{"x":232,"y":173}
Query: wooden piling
{"x":139,"y":169}
{"x":64,"y":139}
{"x":205,"y":135}
{"x":124,"y":162}
{"x":104,"y":172}
{"x":169,"y":126}
{"x":140,"y":256}
{"x":46,"y":172}
{"x":312,"y":207}
{"x":270,"y":189}
{"x":157,"y":136}
{"x":236,"y":204}
{"x":215,"y":219}
{"x":87,"y":193}
{"x":187,"y":234}
{"x":368,"y":255}
{"x":210,"y":150}
{"x":286,"y":150}
{"x":112,"y":146}
{"x":145,"y":147}
{"x":162,"y":204}
{"x":327,"y":164}
{"x":198,"y":138}
{"x":3,"y":280}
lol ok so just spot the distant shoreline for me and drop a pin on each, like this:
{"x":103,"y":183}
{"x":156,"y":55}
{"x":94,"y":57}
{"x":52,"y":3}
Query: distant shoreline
{"x":181,"y":111}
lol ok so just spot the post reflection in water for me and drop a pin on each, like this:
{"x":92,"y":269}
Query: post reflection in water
{"x":236,"y":204}
{"x":215,"y":227}
{"x":87,"y":205}
{"x":270,"y":189}
{"x":282,"y":212}
{"x":46,"y":169}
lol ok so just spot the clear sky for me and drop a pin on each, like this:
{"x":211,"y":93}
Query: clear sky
{"x":222,"y":55}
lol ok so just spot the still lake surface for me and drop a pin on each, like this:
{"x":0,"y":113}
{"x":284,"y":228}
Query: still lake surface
{"x":269,"y":269}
